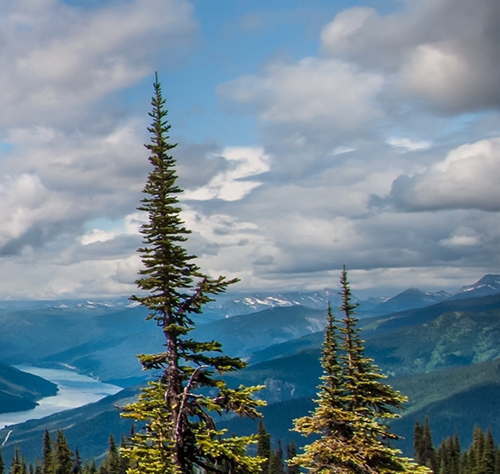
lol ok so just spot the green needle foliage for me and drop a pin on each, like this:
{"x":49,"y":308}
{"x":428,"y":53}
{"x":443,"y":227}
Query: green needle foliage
{"x":353,"y":407}
{"x":177,"y":409}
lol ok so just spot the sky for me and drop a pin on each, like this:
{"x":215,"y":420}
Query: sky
{"x":311,"y":134}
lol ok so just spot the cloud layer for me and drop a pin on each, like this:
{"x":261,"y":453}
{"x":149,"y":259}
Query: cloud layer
{"x":377,"y":147}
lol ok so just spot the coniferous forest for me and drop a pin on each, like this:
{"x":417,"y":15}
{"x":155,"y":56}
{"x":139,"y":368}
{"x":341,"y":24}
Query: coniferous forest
{"x":174,"y":417}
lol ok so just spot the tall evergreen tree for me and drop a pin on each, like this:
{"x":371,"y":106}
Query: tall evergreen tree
{"x":180,"y":434}
{"x":476,"y":450}
{"x":353,"y":407}
{"x":125,"y":463}
{"x":457,"y":454}
{"x":276,"y":461}
{"x":63,"y":455}
{"x":446,"y":457}
{"x":89,"y":467}
{"x":270,"y":465}
{"x":48,"y":454}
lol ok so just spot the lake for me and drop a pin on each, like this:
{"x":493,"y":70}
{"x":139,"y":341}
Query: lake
{"x":75,"y":390}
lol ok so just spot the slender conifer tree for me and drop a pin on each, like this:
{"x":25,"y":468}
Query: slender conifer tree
{"x":291,"y":452}
{"x":48,"y":454}
{"x":180,"y":434}
{"x":63,"y":456}
{"x":263,"y":446}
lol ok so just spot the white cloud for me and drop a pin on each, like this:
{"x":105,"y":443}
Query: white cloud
{"x":378,"y":109}
{"x":57,"y":60}
{"x":311,"y":91}
{"x":462,"y":237}
{"x":408,"y":144}
{"x":442,"y":51}
{"x":52,"y":182}
{"x":96,"y":235}
{"x":340,"y":150}
{"x":346,"y":31}
{"x":232,"y":184}
{"x":441,"y":73}
{"x":79,"y":162}
{"x":23,"y":202}
{"x":130,"y":225}
{"x":467,"y":178}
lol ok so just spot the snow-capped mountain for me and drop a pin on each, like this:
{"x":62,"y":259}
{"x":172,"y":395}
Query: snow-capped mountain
{"x":487,"y":285}
{"x":246,"y":304}
{"x":230,"y":305}
{"x":78,"y":305}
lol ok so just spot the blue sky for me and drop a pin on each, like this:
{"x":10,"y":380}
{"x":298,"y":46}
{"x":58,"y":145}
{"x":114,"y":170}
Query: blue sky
{"x":311,"y":135}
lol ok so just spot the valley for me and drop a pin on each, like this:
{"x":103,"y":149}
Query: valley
{"x":439,"y":350}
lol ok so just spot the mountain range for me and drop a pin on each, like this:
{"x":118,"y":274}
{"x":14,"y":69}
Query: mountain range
{"x":441,"y":350}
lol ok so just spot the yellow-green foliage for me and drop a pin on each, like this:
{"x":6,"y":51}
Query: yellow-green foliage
{"x":352,"y":407}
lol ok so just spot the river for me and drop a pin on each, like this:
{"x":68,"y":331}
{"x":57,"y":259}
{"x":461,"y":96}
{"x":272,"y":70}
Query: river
{"x":75,"y":390}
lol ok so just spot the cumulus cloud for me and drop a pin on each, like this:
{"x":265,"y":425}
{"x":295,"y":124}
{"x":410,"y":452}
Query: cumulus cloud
{"x":57,"y":59}
{"x":444,"y":51}
{"x":316,"y":92}
{"x":55,"y":181}
{"x":376,"y":113}
{"x":466,"y":179}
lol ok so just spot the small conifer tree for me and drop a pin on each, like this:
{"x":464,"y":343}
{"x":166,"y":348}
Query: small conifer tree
{"x":263,"y":446}
{"x":291,"y":452}
{"x":16,"y":466}
{"x":423,"y":447}
{"x":112,"y":464}
{"x":180,"y":434}
{"x":353,"y":407}
{"x":77,"y":466}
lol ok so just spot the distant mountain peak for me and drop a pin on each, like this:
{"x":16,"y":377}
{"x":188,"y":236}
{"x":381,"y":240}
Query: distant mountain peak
{"x":410,"y":299}
{"x":487,"y":285}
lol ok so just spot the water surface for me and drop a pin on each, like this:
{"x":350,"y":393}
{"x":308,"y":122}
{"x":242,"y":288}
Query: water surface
{"x":75,"y":390}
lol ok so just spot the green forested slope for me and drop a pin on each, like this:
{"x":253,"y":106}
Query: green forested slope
{"x":19,"y":390}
